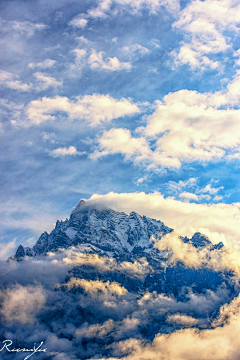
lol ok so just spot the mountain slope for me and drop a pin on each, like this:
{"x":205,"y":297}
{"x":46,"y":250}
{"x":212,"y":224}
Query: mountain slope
{"x":114,"y":233}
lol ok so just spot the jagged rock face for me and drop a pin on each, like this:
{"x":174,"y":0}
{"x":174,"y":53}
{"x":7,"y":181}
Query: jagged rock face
{"x":108,"y":230}
{"x":111,"y":234}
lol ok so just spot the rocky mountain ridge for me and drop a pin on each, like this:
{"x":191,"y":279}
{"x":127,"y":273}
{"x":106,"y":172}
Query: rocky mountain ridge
{"x":108,"y":231}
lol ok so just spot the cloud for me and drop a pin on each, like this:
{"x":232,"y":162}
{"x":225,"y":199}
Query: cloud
{"x":51,"y":137}
{"x":219,"y":221}
{"x":203,"y":23}
{"x":183,"y":320}
{"x":96,"y":61}
{"x":60,"y":152}
{"x":7,"y":249}
{"x":97,"y":287}
{"x":11,"y":81}
{"x":95,"y":109}
{"x":120,"y":141}
{"x":22,"y":303}
{"x":208,"y":193}
{"x":189,"y":196}
{"x":218,"y":344}
{"x":135,"y":50}
{"x":87,"y":317}
{"x":45,"y":81}
{"x":178,"y":186}
{"x":192,"y":257}
{"x":211,"y":190}
{"x":96,"y":330}
{"x":78,"y":256}
{"x":112,"y":7}
{"x":48,"y":63}
{"x":186,"y":127}
{"x":25,"y":28}
{"x":78,"y":22}
{"x":20,"y":213}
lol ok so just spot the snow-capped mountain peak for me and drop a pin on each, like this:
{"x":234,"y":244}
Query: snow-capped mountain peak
{"x":114,"y":233}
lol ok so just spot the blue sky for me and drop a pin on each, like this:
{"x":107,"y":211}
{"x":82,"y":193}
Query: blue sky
{"x":108,"y":99}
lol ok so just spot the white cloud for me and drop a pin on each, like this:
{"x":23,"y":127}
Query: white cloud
{"x":104,"y":7}
{"x":120,"y":141}
{"x":186,"y":126}
{"x":80,"y":60}
{"x":44,"y":64}
{"x":80,"y":54}
{"x":97,"y":287}
{"x":11,"y":81}
{"x":45,"y":81}
{"x":22,"y":303}
{"x":26,"y":28}
{"x":178,"y":186}
{"x":203,"y":24}
{"x":135,"y":49}
{"x":60,"y":152}
{"x":95,"y":109}
{"x":220,"y":222}
{"x":6,"y":250}
{"x":209,"y":189}
{"x":51,"y":137}
{"x":217,"y":198}
{"x":192,"y":257}
{"x":183,"y":320}
{"x":96,"y":61}
{"x":188,"y":196}
{"x":79,"y":22}
{"x":219,"y":343}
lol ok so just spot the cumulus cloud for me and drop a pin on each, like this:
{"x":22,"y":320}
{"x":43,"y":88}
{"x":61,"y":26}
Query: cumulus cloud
{"x":97,"y":287}
{"x":48,"y":63}
{"x":96,"y":61}
{"x":78,"y":256}
{"x":183,"y":320}
{"x":188,"y":196}
{"x":60,"y":152}
{"x":217,"y":344}
{"x":11,"y":81}
{"x":22,"y":303}
{"x":186,"y":253}
{"x":208,"y":193}
{"x":218,"y":221}
{"x":204,"y":24}
{"x":95,"y":109}
{"x":78,"y":22}
{"x":211,"y":190}
{"x":186,"y":127}
{"x":91,"y":317}
{"x":117,"y":141}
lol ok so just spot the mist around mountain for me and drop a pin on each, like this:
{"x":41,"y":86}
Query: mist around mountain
{"x":109,"y":285}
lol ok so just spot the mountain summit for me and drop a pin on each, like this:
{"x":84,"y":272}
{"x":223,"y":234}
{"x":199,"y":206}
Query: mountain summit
{"x":105,"y":230}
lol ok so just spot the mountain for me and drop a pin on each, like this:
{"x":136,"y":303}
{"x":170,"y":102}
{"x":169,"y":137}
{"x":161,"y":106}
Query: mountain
{"x":103,"y":229}
{"x":98,"y":284}
{"x":104,"y":232}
